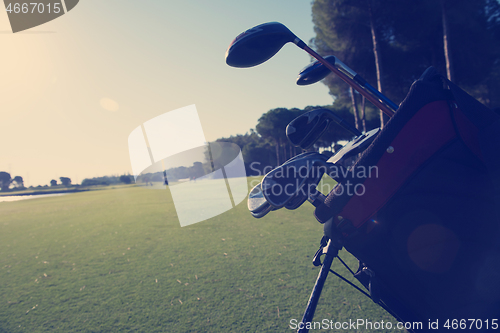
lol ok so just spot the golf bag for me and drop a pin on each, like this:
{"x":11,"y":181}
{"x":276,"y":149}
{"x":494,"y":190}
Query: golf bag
{"x":424,"y":219}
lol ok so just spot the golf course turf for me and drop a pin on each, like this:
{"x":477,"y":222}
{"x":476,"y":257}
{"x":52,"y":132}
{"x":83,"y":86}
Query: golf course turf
{"x":117,"y":260}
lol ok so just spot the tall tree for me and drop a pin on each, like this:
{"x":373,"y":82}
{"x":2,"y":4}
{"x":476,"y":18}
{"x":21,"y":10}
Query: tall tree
{"x":363,"y":113}
{"x":350,"y":30}
{"x":446,"y":45}
{"x":411,"y":37}
{"x":272,"y":126}
{"x":376,"y":54}
{"x":493,"y":80}
{"x":354,"y":108}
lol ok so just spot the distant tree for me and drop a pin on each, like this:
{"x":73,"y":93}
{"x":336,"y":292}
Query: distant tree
{"x":105,"y":180}
{"x":65,"y":181}
{"x":94,"y":181}
{"x":197,"y":170}
{"x":5,"y":181}
{"x":18,"y":180}
{"x":272,"y":126}
{"x":53,"y":182}
{"x":125,"y":179}
{"x":257,"y":157}
{"x":258,"y":153}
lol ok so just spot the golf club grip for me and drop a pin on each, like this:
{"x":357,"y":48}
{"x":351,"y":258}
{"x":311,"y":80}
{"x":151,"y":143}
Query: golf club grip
{"x":368,"y":95}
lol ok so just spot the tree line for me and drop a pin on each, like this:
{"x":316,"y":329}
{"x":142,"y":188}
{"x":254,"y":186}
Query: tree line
{"x":17,"y":183}
{"x":7,"y":183}
{"x":267,"y":144}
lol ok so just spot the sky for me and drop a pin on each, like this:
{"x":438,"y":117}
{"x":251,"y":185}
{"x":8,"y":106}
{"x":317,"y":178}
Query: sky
{"x":74,"y":88}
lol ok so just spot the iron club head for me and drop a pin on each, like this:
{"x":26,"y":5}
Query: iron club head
{"x":306,"y":129}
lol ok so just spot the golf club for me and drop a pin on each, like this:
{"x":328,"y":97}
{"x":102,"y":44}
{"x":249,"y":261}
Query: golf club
{"x":316,"y":71}
{"x":286,"y":182}
{"x":300,"y":198}
{"x":257,"y":204}
{"x":306,"y":129}
{"x":262,"y":42}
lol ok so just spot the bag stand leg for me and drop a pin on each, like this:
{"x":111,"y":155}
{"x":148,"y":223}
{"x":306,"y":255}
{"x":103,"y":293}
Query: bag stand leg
{"x":331,"y":251}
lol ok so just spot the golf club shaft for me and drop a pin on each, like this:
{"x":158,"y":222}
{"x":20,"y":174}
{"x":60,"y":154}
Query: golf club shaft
{"x":362,"y":90}
{"x":377,"y":93}
{"x":361,"y":81}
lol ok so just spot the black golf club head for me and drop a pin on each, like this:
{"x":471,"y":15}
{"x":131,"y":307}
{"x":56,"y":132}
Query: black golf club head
{"x":306,"y":129}
{"x":258,"y":44}
{"x":257,"y":203}
{"x":314,"y":72}
{"x":284,"y":184}
{"x":312,"y":182}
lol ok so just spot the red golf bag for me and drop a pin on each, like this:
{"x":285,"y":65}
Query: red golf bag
{"x":424,"y":219}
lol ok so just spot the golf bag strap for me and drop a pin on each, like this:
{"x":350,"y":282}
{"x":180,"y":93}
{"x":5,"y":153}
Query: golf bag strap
{"x":488,"y":124}
{"x":477,"y":113}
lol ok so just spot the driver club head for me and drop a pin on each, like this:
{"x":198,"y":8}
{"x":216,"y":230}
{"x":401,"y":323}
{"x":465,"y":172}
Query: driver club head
{"x":258,"y":44}
{"x":314,"y":72}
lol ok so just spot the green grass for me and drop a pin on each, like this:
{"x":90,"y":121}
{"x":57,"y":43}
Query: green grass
{"x":118,"y":261}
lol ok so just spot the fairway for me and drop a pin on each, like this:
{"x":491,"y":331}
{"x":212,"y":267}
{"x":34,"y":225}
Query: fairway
{"x":117,"y":260}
